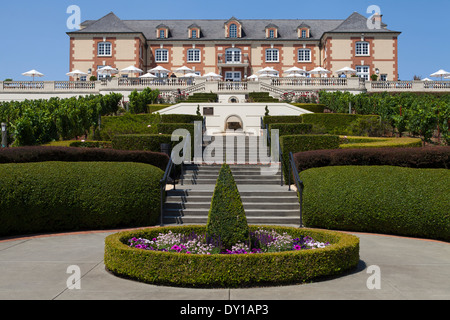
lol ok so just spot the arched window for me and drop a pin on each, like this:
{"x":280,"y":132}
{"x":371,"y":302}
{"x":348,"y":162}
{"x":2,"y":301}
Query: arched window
{"x":233,"y":32}
{"x":233,"y":55}
{"x":104,"y":49}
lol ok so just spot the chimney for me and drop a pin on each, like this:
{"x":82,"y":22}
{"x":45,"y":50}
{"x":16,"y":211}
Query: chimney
{"x":378,"y":20}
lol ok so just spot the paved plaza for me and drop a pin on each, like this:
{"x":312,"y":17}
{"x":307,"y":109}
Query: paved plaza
{"x":36,"y":268}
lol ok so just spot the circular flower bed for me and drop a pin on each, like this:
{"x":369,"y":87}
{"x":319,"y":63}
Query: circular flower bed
{"x":261,"y":241}
{"x":183,"y":256}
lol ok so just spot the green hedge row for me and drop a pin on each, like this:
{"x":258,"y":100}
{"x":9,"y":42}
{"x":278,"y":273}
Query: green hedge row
{"x":68,"y":196}
{"x":141,"y":124}
{"x":335,"y":123}
{"x":313,"y":107}
{"x":301,"y":143}
{"x":380,"y":199}
{"x":144,"y":142}
{"x":366,"y":142}
{"x":286,"y":129}
{"x":185,"y":270}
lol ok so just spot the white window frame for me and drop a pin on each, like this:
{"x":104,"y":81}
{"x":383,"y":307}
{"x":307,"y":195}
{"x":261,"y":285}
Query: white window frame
{"x":363,"y":72}
{"x":233,"y":55}
{"x":233,"y":32}
{"x":194,"y":34}
{"x":304,"y":34}
{"x":104,"y":49}
{"x":161,"y":55}
{"x":304,"y":55}
{"x":193,"y":55}
{"x":162,"y":34}
{"x":272,"y":55}
{"x":362,"y":49}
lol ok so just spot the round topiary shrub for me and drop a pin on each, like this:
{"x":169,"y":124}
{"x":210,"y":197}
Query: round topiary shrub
{"x":229,"y":270}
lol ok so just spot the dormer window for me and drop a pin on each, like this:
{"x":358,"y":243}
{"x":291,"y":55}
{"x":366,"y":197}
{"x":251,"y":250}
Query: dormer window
{"x":303,"y":31}
{"x":194,"y":32}
{"x":162,"y":32}
{"x":233,"y":28}
{"x":271,"y":31}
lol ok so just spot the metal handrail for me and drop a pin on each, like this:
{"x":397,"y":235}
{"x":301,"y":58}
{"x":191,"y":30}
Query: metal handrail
{"x":163,"y":185}
{"x":299,"y":184}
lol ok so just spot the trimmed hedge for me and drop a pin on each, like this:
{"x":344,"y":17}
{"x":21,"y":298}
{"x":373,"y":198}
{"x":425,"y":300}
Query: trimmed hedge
{"x":44,"y":154}
{"x":433,"y":157}
{"x":286,"y":129}
{"x":282,"y":119}
{"x":163,"y":268}
{"x":301,"y":143}
{"x":365,"y":142}
{"x":261,"y":97}
{"x":146,"y":142}
{"x":335,"y":123}
{"x":64,"y":196}
{"x":226,"y":218}
{"x":316,"y":108}
{"x":390,"y":200}
{"x":141,"y":124}
{"x":91,"y":144}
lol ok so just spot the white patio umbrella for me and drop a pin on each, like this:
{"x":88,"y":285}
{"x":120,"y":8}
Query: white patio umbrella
{"x":33,"y":73}
{"x":440,"y":74}
{"x":212,"y":76}
{"x":268,"y":71}
{"x":184,"y":70}
{"x":426,"y":79}
{"x":295,"y":75}
{"x":107,"y":71}
{"x":346,"y":70}
{"x":191,"y":75}
{"x":132,"y":69}
{"x":76,"y":74}
{"x":320,"y":71}
{"x":295,"y":70}
{"x":253,"y":77}
{"x":159,"y":70}
{"x":148,"y":76}
{"x":269,"y":75}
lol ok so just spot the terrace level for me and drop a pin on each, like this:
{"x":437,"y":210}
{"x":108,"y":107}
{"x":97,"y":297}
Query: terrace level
{"x":171,"y":88}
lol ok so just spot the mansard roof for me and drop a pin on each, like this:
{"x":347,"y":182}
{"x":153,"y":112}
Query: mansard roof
{"x":214,"y":29}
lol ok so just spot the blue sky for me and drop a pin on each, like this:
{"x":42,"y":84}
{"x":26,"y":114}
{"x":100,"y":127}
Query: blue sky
{"x":33,"y":33}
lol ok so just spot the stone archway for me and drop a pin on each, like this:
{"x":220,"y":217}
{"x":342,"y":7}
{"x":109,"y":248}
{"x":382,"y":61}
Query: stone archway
{"x":234,"y":122}
{"x":233,"y":99}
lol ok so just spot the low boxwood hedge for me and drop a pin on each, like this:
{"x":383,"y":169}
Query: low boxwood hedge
{"x":313,"y":107}
{"x":67,"y":196}
{"x":282,"y":119}
{"x":301,"y":143}
{"x":163,"y":268}
{"x":366,"y":142}
{"x":335,"y":123}
{"x":287,"y":129}
{"x":44,"y":154}
{"x":146,"y":142}
{"x":379,"y":199}
{"x":432,"y":157}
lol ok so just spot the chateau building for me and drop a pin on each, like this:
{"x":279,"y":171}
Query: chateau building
{"x":237,"y":48}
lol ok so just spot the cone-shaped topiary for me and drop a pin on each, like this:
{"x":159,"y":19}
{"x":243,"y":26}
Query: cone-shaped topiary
{"x":226,"y":219}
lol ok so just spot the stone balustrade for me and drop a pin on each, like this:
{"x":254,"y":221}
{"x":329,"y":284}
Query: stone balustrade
{"x":170,"y":86}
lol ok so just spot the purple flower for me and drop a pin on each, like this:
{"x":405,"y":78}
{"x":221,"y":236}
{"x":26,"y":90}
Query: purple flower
{"x":297,"y":247}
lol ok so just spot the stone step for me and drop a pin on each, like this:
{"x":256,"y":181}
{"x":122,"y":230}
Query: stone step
{"x":270,"y":207}
{"x":250,"y":220}
{"x":248,"y":212}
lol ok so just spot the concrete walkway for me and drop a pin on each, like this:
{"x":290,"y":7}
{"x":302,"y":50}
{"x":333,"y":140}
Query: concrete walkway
{"x":35,"y":268}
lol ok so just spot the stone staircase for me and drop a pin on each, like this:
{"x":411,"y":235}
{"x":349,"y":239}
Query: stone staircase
{"x":265,"y":200}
